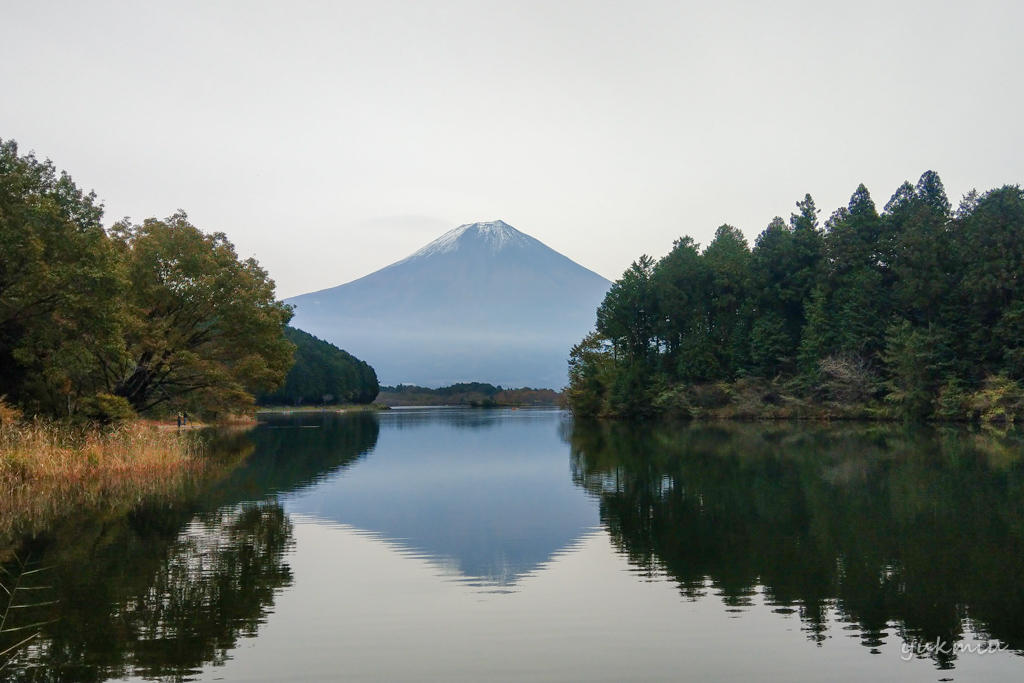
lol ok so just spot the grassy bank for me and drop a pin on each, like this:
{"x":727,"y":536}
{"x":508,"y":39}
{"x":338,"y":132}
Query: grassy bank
{"x":999,"y":400}
{"x":49,"y":469}
{"x":760,"y":400}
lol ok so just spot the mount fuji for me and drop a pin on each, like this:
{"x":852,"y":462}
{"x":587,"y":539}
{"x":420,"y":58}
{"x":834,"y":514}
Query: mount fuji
{"x":483,"y":302}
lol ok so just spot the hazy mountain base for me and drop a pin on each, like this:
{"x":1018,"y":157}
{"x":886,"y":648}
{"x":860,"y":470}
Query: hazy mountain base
{"x":501,"y":358}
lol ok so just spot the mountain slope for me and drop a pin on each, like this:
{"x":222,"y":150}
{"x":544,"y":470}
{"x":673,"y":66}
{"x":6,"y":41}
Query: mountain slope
{"x":483,"y":302}
{"x":322,"y":373}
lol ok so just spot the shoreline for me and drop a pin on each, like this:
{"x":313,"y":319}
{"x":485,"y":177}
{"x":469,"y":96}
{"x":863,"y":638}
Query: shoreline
{"x":344,"y":408}
{"x":998,"y":401}
{"x":50,"y":470}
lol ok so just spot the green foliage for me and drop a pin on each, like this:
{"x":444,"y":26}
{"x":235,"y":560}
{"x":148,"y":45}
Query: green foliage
{"x":205,"y":330}
{"x":818,"y":338}
{"x":591,"y":367}
{"x":681,"y":282}
{"x":852,"y":237}
{"x":783,"y":266}
{"x":728,"y":262}
{"x":814,"y":310}
{"x":673,"y":401}
{"x":710,"y":395}
{"x":914,"y":358}
{"x":858,"y":324}
{"x":322,"y":374}
{"x":989,"y":244}
{"x":628,"y":315}
{"x":1010,"y":333}
{"x":771,"y":347}
{"x":917,"y":257}
{"x":953,"y":402}
{"x":699,"y":358}
{"x":144,"y":318}
{"x":60,"y":279}
{"x":632,"y":391}
{"x":107,"y":408}
{"x":1000,"y":399}
{"x":467,"y":388}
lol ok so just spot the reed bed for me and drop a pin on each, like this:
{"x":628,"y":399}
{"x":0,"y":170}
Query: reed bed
{"x":51,"y":469}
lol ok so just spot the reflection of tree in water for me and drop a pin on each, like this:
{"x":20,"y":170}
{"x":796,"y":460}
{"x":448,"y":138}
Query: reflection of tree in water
{"x":886,"y":528}
{"x":294,"y":451}
{"x":162,"y":607}
{"x":218,"y":583}
{"x":172,"y":587}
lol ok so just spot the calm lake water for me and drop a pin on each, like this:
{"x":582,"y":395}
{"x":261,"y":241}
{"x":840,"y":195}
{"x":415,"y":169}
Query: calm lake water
{"x":470,"y":545}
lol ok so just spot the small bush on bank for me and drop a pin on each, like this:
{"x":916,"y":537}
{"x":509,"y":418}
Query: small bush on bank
{"x":1000,"y":399}
{"x":107,"y":409}
{"x":709,"y":396}
{"x":845,"y":379}
{"x":674,"y":402}
{"x":953,"y":403}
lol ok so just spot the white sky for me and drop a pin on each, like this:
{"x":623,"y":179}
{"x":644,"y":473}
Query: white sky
{"x":329,"y":139}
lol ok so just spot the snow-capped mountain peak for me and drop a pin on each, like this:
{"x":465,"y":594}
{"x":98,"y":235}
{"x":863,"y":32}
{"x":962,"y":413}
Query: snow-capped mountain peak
{"x":483,"y":302}
{"x":492,"y":236}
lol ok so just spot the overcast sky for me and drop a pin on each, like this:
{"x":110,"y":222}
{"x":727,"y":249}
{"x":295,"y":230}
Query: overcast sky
{"x":329,"y":139}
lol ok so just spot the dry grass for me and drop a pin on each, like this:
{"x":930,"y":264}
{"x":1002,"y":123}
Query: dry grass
{"x":51,"y":469}
{"x":223,"y":420}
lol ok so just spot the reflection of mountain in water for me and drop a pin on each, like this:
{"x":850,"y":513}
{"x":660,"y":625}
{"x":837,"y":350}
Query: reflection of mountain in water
{"x":872,"y":526}
{"x":485,"y":492}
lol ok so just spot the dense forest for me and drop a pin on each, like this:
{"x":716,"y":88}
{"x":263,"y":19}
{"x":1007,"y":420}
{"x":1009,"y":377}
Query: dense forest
{"x":142,"y":318}
{"x":322,"y":374}
{"x":916,"y":311}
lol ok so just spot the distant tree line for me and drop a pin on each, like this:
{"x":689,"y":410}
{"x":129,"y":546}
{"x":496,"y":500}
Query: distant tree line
{"x":143,"y":318}
{"x":917,"y":311}
{"x":451,"y":390}
{"x":479,"y":394}
{"x":322,"y":374}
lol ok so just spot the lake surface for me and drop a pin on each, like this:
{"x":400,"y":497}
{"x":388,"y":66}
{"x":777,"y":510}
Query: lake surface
{"x":469,"y":545}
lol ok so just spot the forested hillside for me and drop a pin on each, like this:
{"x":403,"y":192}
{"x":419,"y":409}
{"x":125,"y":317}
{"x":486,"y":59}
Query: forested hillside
{"x":322,"y":373}
{"x":915,"y":311}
